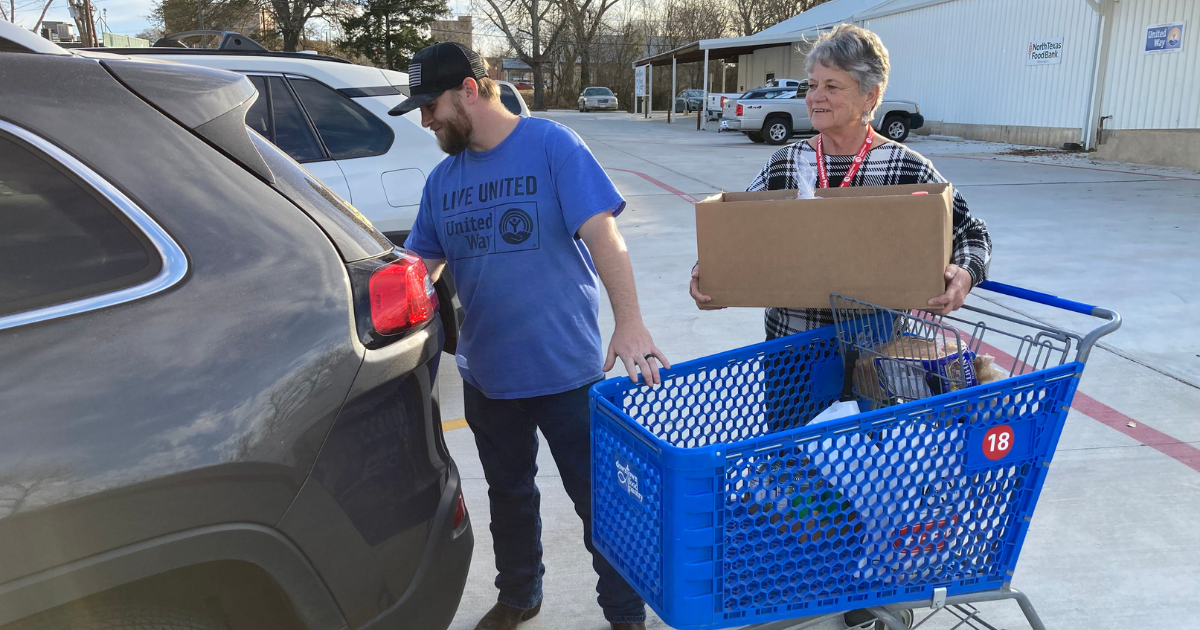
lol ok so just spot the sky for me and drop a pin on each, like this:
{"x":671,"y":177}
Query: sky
{"x":125,"y":17}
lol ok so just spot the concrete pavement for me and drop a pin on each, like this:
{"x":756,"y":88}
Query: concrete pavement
{"x":1115,"y":542}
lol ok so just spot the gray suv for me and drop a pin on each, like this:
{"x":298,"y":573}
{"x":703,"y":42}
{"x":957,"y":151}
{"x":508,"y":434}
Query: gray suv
{"x":218,"y":404}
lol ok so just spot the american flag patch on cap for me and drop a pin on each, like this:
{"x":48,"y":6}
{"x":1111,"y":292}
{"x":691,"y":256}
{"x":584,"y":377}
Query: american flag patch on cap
{"x":477,"y":65}
{"x":414,"y":75}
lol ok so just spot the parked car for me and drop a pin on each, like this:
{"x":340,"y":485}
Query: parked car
{"x":511,"y":97}
{"x":689,"y":101}
{"x":792,"y":83}
{"x":729,"y":119}
{"x":218,"y":394}
{"x":597,"y":98}
{"x":716,"y":104}
{"x":774,"y":120}
{"x":331,"y":116}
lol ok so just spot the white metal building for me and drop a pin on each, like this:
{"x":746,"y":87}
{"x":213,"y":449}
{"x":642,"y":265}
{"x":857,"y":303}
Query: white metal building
{"x":1119,"y":76}
{"x":967,"y":62}
{"x":1150,"y":103}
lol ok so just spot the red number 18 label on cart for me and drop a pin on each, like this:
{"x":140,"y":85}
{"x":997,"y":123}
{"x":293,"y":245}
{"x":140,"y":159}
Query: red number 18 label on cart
{"x":997,"y":442}
{"x":1001,"y":443}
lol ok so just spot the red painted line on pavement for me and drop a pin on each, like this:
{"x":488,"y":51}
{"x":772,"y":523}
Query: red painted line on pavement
{"x":667,"y":187}
{"x":1181,"y":452}
{"x":1082,"y":168}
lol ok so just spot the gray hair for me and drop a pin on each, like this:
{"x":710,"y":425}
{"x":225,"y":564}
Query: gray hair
{"x":858,"y":52}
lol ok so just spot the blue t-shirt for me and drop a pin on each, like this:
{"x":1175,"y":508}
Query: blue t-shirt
{"x":505,"y":220}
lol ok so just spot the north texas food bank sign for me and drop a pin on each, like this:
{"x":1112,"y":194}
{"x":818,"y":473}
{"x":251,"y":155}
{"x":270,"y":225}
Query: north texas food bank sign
{"x":1044,"y":52}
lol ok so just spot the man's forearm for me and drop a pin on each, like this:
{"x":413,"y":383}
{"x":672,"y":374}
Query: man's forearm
{"x":611,"y":259}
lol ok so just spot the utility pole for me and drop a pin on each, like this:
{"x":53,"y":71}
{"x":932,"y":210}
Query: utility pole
{"x":200,"y":14}
{"x":91,"y":24}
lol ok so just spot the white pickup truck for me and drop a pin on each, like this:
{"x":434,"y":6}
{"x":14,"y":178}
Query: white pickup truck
{"x":774,"y":120}
{"x":716,"y":104}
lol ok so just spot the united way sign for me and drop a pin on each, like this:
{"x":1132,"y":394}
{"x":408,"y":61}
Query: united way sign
{"x":1164,"y":38}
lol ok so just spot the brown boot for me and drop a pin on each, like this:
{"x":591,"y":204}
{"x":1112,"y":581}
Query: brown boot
{"x":629,"y":626}
{"x":504,"y":617}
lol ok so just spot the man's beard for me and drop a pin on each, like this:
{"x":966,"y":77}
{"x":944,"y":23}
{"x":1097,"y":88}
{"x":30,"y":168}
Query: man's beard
{"x":456,"y":132}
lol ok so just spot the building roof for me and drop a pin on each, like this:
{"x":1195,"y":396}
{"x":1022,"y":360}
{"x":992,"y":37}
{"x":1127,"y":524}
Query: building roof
{"x":829,"y":13}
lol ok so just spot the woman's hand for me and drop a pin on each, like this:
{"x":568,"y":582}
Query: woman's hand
{"x":701,"y":299}
{"x":958,"y":285}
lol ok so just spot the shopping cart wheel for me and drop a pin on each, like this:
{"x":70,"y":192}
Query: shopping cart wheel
{"x":863,"y":618}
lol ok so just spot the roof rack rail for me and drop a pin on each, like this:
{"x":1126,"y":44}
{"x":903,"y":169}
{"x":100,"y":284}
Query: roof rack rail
{"x":230,"y":40}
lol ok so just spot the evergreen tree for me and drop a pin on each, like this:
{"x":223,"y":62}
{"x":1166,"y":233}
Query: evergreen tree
{"x":390,"y":32}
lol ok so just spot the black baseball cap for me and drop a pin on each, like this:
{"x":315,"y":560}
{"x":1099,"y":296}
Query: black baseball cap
{"x":438,"y":68}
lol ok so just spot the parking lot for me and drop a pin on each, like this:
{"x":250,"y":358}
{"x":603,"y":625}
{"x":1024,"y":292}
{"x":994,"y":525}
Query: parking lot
{"x":1115,"y":542}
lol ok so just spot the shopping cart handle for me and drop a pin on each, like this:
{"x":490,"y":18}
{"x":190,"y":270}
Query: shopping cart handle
{"x":1040,"y":298}
{"x":1089,"y":340}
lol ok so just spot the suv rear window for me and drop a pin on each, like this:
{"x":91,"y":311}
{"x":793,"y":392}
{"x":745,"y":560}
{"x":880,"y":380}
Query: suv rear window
{"x":351,"y":232}
{"x":60,"y":240}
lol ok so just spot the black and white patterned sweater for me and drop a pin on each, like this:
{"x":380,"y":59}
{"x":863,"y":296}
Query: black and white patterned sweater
{"x":887,"y":164}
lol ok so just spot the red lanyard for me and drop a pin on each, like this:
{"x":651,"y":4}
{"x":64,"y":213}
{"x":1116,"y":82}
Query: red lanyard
{"x":823,"y":175}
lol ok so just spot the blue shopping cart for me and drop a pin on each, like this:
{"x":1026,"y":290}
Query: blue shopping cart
{"x":722,"y":504}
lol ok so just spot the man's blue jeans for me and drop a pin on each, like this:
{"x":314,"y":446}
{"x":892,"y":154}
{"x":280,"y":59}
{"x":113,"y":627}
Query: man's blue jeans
{"x":506,"y":434}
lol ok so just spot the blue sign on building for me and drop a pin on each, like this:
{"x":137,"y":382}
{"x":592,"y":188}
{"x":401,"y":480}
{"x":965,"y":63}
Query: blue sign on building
{"x":1164,"y":38}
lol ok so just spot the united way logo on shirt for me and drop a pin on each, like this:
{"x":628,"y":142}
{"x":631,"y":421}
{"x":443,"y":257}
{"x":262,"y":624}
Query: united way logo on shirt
{"x":500,"y":229}
{"x":516,"y":226}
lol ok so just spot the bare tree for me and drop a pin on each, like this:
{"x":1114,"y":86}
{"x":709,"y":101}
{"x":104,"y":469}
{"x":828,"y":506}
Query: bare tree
{"x":585,"y":18}
{"x":292,"y":16}
{"x":687,"y":21}
{"x":622,"y":41}
{"x":756,"y":15}
{"x":533,"y":28}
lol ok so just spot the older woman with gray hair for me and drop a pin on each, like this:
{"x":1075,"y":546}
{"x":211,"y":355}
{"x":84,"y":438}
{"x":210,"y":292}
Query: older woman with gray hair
{"x":847,"y":75}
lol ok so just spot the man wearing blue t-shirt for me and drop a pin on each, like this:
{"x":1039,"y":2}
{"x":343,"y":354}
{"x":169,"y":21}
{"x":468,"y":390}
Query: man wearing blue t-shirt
{"x":523,"y":216}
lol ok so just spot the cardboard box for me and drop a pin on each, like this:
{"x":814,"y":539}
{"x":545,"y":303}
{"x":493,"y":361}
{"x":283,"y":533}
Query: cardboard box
{"x":878,"y":244}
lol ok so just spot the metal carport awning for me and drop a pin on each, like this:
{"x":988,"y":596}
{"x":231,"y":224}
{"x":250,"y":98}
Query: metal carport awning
{"x":701,"y":51}
{"x":692,"y":53}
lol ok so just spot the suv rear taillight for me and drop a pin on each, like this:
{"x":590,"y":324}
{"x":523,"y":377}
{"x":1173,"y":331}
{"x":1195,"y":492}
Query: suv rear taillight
{"x":402,"y":295}
{"x":739,"y":109}
{"x":392,"y":295}
{"x":460,"y":512}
